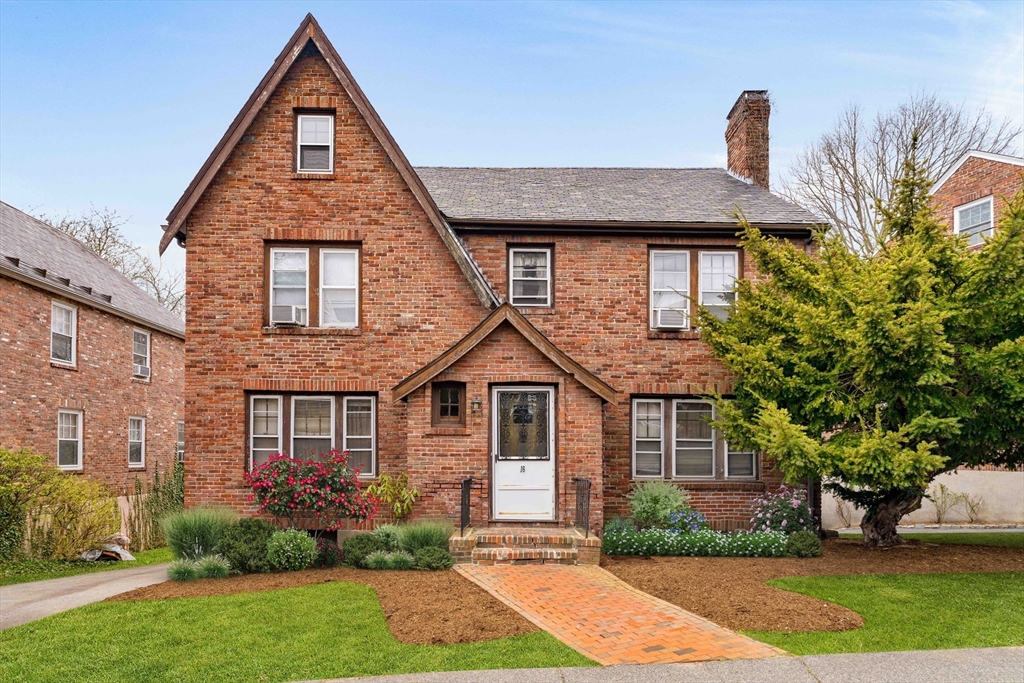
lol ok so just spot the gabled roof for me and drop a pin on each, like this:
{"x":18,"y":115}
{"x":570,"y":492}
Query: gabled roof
{"x":40,"y":255}
{"x":977,"y":154}
{"x":504,"y":313}
{"x":309,"y":30}
{"x":624,"y":195}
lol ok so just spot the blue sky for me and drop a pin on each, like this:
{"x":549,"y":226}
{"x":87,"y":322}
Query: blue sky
{"x":118,"y":104}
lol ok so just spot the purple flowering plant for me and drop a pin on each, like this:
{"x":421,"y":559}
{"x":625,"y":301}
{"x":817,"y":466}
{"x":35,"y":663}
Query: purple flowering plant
{"x":685,"y":521}
{"x":785,"y":510}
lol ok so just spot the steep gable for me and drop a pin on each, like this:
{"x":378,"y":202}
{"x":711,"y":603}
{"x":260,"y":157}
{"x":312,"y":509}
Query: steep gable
{"x":310,"y":33}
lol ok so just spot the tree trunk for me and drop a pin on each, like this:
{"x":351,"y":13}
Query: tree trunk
{"x":880,"y":520}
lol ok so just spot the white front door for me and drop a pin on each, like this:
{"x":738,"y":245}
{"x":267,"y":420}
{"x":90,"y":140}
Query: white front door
{"x":523,"y":447}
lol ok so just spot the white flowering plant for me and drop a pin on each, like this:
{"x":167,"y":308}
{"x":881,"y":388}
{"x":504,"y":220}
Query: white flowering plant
{"x":700,"y":543}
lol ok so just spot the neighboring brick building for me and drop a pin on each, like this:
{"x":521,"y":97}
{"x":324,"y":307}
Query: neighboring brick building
{"x":971,"y":195}
{"x":92,"y":369}
{"x":337,"y":296}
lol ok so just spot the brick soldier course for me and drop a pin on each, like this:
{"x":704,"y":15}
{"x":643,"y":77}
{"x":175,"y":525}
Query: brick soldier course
{"x":433,"y":252}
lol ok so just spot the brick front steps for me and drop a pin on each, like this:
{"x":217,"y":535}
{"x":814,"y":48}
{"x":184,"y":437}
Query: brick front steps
{"x":525,"y":546}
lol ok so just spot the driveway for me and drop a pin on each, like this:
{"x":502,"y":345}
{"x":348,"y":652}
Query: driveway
{"x":25,"y":602}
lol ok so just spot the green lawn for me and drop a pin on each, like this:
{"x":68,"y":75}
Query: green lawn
{"x":911,"y":612}
{"x":1008,"y":539}
{"x":37,"y":570}
{"x":326,"y":630}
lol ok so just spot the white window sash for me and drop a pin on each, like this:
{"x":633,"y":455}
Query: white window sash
{"x":960,"y":229}
{"x":512,"y":279}
{"x":180,"y":445}
{"x":77,"y":440}
{"x":135,"y":353}
{"x":754,"y":463}
{"x":73,"y":332}
{"x":655,"y":312}
{"x":273,"y":287}
{"x":354,"y":287}
{"x":139,"y":438}
{"x":372,"y":435}
{"x":735,"y":275}
{"x":300,"y":144}
{"x":252,"y":426}
{"x":675,"y":439}
{"x":635,"y":439}
{"x":330,"y":400}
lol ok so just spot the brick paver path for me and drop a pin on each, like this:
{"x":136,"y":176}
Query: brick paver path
{"x":606,"y":619}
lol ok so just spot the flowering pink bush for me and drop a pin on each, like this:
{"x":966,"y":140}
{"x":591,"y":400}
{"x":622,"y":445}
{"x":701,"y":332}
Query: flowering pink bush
{"x":325,"y":487}
{"x":785,"y":510}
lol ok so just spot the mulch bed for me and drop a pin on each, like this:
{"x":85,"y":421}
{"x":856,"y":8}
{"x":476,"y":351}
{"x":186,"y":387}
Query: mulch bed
{"x":421,"y":608}
{"x":732,"y":592}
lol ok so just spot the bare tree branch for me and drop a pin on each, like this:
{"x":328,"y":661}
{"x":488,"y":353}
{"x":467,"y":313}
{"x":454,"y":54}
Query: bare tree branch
{"x":843,"y":175}
{"x":101,"y":232}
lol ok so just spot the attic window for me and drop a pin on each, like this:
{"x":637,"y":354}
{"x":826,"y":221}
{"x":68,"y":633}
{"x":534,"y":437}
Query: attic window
{"x":315,"y":143}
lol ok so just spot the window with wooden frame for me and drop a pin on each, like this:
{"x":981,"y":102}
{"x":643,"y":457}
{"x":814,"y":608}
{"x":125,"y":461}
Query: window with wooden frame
{"x":69,"y":439}
{"x":63,"y":331}
{"x":448,"y":404}
{"x":673,"y":439}
{"x":314,"y":143}
{"x":307,"y":426}
{"x":529,"y":276}
{"x":674,"y":276}
{"x":974,"y":220}
{"x":313,"y":285}
{"x":136,"y":442}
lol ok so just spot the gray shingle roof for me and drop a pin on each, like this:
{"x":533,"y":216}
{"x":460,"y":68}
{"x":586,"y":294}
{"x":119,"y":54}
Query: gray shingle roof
{"x":45,"y":255}
{"x":661,"y":195}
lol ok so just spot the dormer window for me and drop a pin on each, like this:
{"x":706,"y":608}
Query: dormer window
{"x":315,"y":143}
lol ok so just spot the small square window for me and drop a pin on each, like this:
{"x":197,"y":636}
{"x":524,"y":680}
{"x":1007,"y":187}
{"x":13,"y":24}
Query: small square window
{"x":315,"y":143}
{"x":448,"y":404}
{"x":530,"y":277}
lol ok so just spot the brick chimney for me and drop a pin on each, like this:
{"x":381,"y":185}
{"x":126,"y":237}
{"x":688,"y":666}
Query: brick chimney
{"x":746,"y":137}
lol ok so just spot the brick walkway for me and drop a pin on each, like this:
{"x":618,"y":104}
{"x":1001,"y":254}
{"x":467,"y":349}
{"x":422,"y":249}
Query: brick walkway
{"x":608,"y":620}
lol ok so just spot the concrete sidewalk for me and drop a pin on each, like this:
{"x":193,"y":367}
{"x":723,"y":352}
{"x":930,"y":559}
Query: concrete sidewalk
{"x":25,"y":602}
{"x":989,"y":665}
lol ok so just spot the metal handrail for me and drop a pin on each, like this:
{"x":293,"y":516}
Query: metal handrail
{"x":583,"y":504}
{"x":467,"y":485}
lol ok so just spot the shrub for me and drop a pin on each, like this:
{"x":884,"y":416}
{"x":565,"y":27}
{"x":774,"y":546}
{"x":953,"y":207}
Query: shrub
{"x":26,"y":480}
{"x":784,"y":510}
{"x":803,"y":544}
{"x":195,"y":532}
{"x":358,"y":547}
{"x":388,"y":535}
{"x":325,"y":487}
{"x":432,"y":557}
{"x":378,"y":559}
{"x":394,"y":493}
{"x":183,"y":570}
{"x":685,"y":521}
{"x":328,"y":554}
{"x":652,"y":502}
{"x":291,"y":550}
{"x":435,"y":534}
{"x":244,"y":545}
{"x":703,"y":543}
{"x":151,"y":502}
{"x":401,"y":560}
{"x":213,"y":567}
{"x":619,"y":524}
{"x":77,"y":514}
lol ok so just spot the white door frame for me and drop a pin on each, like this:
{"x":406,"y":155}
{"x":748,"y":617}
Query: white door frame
{"x":549,"y":463}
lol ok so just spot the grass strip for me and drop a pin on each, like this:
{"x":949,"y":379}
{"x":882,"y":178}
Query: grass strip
{"x":40,"y":570}
{"x":1005,"y":539}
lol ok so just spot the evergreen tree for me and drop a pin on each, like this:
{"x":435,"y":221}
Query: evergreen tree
{"x":877,"y":373}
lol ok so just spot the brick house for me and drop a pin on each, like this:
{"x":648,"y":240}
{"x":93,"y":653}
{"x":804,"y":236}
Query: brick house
{"x":92,"y":369}
{"x":971,"y":195}
{"x":523,"y":327}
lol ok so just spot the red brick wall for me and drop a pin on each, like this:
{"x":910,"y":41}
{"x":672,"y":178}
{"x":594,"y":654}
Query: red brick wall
{"x":415,"y":300}
{"x":975,"y":179}
{"x":32,"y":389}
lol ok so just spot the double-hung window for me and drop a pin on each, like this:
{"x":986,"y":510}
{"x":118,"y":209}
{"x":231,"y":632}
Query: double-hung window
{"x":530,"y":276}
{"x":315,"y":143}
{"x":265,"y":424}
{"x":312,"y":426}
{"x":63,"y":324}
{"x":180,"y":446}
{"x":670,"y":289}
{"x":289,"y":286}
{"x":673,"y":438}
{"x":69,"y":439}
{"x":136,"y":442}
{"x":140,"y":354}
{"x":974,"y":220}
{"x":718,"y":272}
{"x":360,"y":433}
{"x":339,"y":287}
